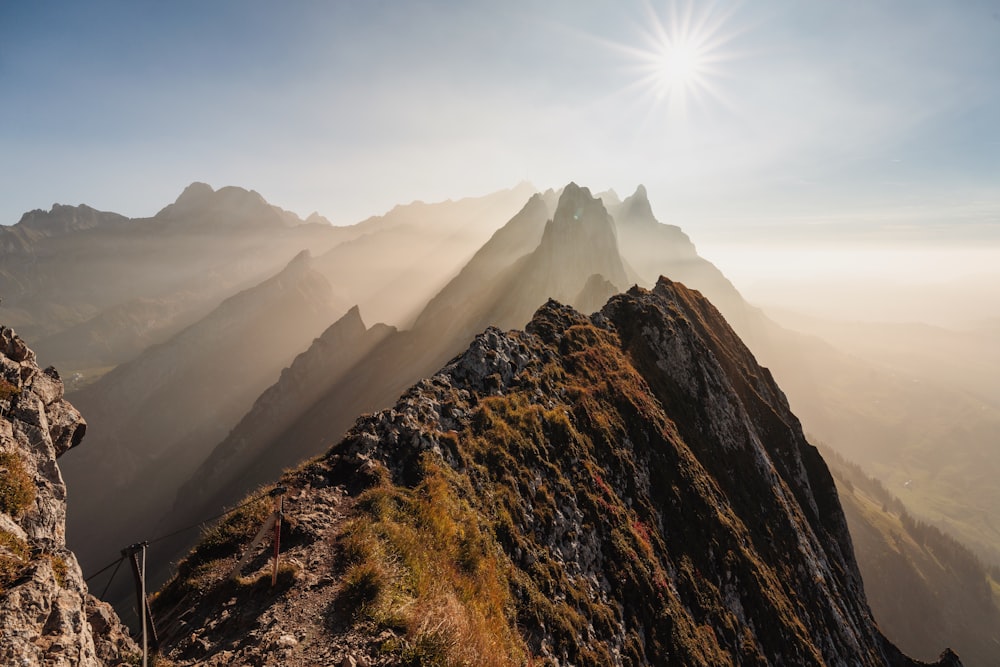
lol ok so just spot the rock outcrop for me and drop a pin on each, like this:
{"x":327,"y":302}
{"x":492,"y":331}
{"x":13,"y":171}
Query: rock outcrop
{"x":47,"y":616}
{"x":625,"y":489}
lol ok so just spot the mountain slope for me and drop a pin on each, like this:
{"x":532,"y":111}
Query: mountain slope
{"x":499,"y":286}
{"x":924,"y":587}
{"x":400,"y":260}
{"x":578,"y":242}
{"x":653,"y":249}
{"x":628,"y":489}
{"x":246,"y":450}
{"x":516,"y":239}
{"x":925,"y":414}
{"x":46,"y":614}
{"x":153,"y":420}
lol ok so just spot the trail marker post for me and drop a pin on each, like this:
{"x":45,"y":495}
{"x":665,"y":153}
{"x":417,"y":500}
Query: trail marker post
{"x":271,"y":524}
{"x":279,"y":505}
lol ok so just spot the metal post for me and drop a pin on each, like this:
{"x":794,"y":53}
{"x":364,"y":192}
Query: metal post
{"x":145,"y":614}
{"x":142,"y":607}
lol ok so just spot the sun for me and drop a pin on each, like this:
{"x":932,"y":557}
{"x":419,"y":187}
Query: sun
{"x":679,"y":54}
{"x":679,"y":65}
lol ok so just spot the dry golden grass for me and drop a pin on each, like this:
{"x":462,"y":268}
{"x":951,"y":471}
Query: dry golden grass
{"x":17,"y":488}
{"x":421,"y":562}
{"x":13,"y":558}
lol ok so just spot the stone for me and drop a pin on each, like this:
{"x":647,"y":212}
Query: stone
{"x":47,"y":615}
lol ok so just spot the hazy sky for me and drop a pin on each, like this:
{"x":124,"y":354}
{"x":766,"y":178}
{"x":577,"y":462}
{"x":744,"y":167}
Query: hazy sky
{"x":804,"y":119}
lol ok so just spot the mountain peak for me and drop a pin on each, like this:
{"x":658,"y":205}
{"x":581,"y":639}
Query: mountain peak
{"x":231,"y":205}
{"x":578,"y":211}
{"x":194,"y":194}
{"x":317,"y":219}
{"x":61,"y":219}
{"x":303,"y":257}
{"x":575,"y":201}
{"x":636,"y":209}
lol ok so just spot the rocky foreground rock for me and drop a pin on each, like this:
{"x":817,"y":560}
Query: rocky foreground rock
{"x":625,"y":489}
{"x":47,"y":616}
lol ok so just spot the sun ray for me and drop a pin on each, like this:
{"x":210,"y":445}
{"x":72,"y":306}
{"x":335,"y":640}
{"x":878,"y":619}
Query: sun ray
{"x":679,"y":58}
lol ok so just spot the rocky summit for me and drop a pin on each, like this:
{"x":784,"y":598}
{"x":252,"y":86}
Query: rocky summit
{"x":628,"y":488}
{"x":47,"y":616}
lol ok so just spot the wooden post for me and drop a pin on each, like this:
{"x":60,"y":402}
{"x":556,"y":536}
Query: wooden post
{"x":261,"y":534}
{"x":279,"y":504}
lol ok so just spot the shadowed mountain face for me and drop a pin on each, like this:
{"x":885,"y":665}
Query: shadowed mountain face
{"x":287,"y":404}
{"x":472,"y":286}
{"x":154,"y":419}
{"x":624,"y":489}
{"x":578,"y":242}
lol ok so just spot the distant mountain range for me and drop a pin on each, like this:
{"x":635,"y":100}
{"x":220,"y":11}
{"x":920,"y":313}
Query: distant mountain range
{"x":575,"y":257}
{"x":180,"y":325}
{"x":96,"y":289}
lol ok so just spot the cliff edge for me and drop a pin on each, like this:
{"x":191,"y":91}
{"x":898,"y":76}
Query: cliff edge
{"x":47,"y":617}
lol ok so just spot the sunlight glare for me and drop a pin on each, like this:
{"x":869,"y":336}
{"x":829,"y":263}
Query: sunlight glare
{"x":679,"y":66}
{"x":679,"y":55}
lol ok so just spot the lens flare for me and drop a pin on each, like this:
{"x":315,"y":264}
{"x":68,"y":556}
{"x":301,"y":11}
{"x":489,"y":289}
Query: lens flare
{"x":678,"y":55}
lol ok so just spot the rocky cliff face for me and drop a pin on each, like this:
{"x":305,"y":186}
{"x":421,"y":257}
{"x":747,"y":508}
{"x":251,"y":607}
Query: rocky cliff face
{"x":47,"y":616}
{"x":624,"y":489}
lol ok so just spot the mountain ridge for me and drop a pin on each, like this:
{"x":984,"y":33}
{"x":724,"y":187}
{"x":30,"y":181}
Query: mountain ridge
{"x":596,"y":516}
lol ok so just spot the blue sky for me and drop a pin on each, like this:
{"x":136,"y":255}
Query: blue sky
{"x":812,"y":119}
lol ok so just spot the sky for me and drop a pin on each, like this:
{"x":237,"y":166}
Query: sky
{"x":787,"y":121}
